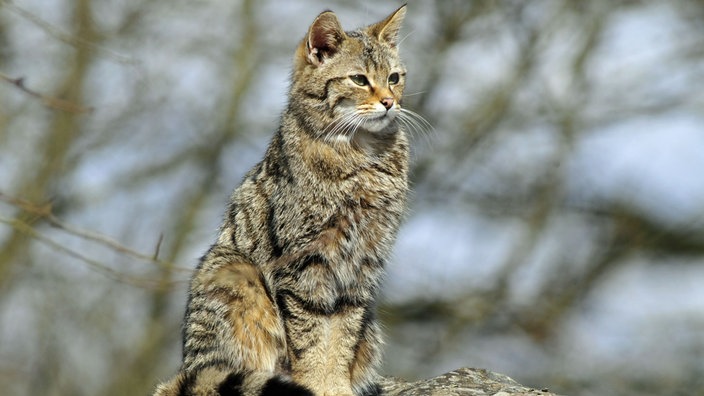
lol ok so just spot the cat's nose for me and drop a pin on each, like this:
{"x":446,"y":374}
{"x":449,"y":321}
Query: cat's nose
{"x":387,"y":102}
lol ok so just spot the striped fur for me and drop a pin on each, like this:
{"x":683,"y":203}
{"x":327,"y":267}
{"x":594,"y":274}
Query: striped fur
{"x":283,"y":303}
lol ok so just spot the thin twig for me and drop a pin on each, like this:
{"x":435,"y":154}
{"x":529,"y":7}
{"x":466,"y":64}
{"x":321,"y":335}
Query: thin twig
{"x":155,"y":257}
{"x":48,"y":101}
{"x":45,"y":212}
{"x":63,"y":36}
{"x":139,"y":281}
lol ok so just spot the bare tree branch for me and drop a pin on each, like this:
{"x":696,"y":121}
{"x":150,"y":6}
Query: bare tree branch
{"x":70,"y":39}
{"x":44,"y":212}
{"x":48,"y":101}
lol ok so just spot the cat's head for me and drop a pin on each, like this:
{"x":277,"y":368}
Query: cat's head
{"x":350,"y":80}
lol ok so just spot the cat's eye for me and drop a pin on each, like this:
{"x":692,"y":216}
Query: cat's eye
{"x":393,"y":78}
{"x":359,"y":79}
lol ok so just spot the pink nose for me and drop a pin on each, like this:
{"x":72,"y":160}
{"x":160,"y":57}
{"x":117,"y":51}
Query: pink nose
{"x":387,"y":102}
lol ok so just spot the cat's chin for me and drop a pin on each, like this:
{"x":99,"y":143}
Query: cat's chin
{"x":368,"y":132}
{"x":378,"y":124}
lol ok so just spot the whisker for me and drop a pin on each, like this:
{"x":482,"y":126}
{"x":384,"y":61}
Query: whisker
{"x":405,"y":37}
{"x":337,"y":126}
{"x":358,"y":123}
{"x":423,"y":124}
{"x":414,"y":93}
{"x":352,"y":125}
{"x":416,"y":124}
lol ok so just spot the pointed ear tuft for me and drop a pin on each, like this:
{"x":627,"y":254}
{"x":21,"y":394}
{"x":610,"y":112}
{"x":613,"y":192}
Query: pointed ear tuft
{"x":324,"y":38}
{"x":387,"y":30}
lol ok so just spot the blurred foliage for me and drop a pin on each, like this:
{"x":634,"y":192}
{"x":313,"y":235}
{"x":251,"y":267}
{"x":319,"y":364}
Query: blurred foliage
{"x":124,"y":125}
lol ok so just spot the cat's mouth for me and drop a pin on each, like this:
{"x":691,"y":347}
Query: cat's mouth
{"x":388,"y":114}
{"x":379,"y":120}
{"x":372,"y":121}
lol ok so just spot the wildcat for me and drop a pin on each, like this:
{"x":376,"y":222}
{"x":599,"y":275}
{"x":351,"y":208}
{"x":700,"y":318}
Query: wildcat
{"x":283,"y":303}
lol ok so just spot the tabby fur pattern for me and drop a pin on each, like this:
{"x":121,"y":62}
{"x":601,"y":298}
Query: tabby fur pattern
{"x":283,"y":303}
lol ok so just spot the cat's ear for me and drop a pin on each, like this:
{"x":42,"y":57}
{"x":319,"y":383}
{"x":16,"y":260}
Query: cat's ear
{"x":387,"y":30}
{"x":324,"y":38}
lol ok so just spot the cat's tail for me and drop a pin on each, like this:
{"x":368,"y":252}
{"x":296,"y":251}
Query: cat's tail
{"x":224,"y":382}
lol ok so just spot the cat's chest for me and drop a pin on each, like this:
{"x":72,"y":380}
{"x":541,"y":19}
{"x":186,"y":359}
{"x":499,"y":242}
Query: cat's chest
{"x":362,"y":198}
{"x":361,"y":219}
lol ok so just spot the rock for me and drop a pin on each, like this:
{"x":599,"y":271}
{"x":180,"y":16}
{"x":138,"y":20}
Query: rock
{"x":461,"y":382}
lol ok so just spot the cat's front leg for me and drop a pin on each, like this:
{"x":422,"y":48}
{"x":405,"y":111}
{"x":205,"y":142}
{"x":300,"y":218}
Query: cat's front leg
{"x":367,"y":358}
{"x":321,"y":343}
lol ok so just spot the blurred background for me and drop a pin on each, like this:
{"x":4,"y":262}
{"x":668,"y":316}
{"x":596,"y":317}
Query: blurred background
{"x":555,"y":232}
